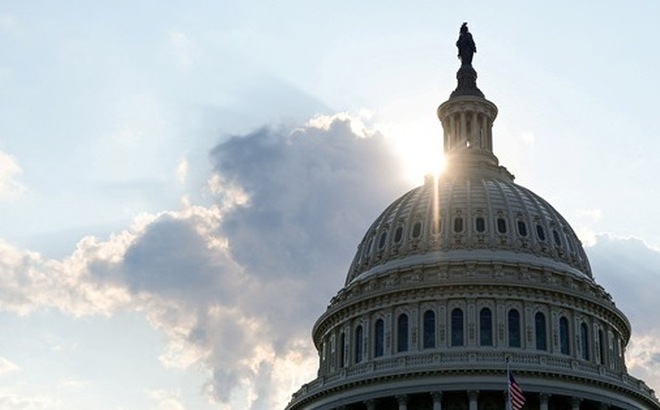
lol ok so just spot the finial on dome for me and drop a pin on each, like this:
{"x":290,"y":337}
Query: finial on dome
{"x":466,"y":46}
{"x":466,"y":75}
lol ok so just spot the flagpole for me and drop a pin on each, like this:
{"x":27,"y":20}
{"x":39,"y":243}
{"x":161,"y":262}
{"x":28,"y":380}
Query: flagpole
{"x":508,"y":385}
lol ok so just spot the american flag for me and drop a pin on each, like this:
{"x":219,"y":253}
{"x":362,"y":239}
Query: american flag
{"x":515,"y":394}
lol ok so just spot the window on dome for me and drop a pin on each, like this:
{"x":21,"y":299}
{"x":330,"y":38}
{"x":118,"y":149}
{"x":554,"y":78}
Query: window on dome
{"x":501,"y":225}
{"x":342,"y":347}
{"x":417,"y":230}
{"x":381,"y":241}
{"x":485,"y":327}
{"x":457,"y":327}
{"x":398,"y":234}
{"x":540,"y":232}
{"x":480,"y":224}
{"x":379,"y":339}
{"x":514,"y":328}
{"x":601,"y":347}
{"x":584,"y":341}
{"x":564,"y":338}
{"x":555,"y":235}
{"x":359,"y":339}
{"x":429,"y":329}
{"x":540,"y":329}
{"x":458,"y":224}
{"x":402,"y":333}
{"x":522,"y":228}
{"x":570,"y":243}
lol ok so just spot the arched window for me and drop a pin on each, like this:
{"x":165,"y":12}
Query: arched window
{"x":402,"y":333}
{"x":381,"y":241}
{"x":429,"y":330}
{"x":359,"y":338}
{"x":564,"y":337}
{"x":398,"y":234}
{"x":584,"y":341}
{"x":457,"y":327}
{"x":514,"y":328}
{"x":417,"y":230}
{"x":342,"y":347}
{"x":556,"y":237}
{"x":601,"y":347}
{"x":480,"y":224}
{"x":540,"y":329}
{"x":379,"y":339}
{"x":540,"y":232}
{"x":485,"y":327}
{"x":501,"y":225}
{"x":522,"y":228}
{"x":458,"y":224}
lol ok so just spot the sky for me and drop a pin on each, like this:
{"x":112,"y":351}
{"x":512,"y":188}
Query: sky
{"x":183,"y":184}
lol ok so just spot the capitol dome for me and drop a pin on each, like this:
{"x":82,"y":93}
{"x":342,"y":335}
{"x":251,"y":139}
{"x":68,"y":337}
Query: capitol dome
{"x":460,"y":280}
{"x":477,"y":214}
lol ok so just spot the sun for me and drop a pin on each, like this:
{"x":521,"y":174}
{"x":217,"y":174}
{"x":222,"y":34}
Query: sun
{"x":420,"y":151}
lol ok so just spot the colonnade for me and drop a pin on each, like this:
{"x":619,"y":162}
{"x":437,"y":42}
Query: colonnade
{"x":434,"y":401}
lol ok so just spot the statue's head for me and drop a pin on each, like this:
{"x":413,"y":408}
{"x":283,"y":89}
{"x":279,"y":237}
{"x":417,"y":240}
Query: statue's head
{"x":464,"y":28}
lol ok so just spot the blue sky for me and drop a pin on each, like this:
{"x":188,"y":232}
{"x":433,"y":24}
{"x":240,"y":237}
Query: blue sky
{"x":183,"y":185}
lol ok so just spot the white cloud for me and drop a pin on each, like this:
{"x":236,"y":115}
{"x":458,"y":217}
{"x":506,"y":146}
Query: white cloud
{"x":166,"y":400}
{"x":182,"y":171}
{"x":9,"y":170}
{"x":643,"y":357}
{"x":13,"y":401}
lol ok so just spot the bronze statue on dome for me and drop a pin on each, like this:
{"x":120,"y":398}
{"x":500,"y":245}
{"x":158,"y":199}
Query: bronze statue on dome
{"x":466,"y":46}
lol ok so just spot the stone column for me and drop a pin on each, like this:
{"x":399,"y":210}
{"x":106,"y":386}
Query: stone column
{"x":473,"y":395}
{"x":403,"y":401}
{"x":437,"y":400}
{"x":371,"y":404}
{"x":452,"y":132}
{"x":576,"y":403}
{"x":543,"y":400}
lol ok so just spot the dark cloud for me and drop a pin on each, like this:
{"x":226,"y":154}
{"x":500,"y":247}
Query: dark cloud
{"x":312,"y":192}
{"x":242,"y":283}
{"x":173,"y":259}
{"x":630,"y":270}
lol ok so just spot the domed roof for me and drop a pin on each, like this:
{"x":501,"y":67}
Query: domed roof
{"x":473,"y":212}
{"x":480,"y":215}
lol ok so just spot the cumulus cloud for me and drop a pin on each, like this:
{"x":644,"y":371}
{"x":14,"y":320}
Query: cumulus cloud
{"x":9,"y":170}
{"x":166,"y":400}
{"x":236,"y":285}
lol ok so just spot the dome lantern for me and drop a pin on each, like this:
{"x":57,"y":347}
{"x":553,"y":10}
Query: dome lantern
{"x":467,"y":117}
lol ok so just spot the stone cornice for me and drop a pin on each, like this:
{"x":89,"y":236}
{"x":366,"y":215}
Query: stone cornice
{"x":571,"y":374}
{"x":473,"y":280}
